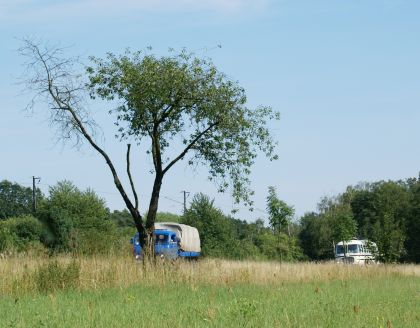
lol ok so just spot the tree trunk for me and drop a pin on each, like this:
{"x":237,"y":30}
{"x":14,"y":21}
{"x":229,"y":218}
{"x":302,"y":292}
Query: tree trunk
{"x":151,"y":217}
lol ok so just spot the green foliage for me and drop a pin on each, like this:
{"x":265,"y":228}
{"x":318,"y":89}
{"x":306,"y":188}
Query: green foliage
{"x":15,"y":200}
{"x":213,"y":227}
{"x":385,"y":212}
{"x":179,"y":102}
{"x":280,"y":214}
{"x":316,"y":236}
{"x":344,"y":226}
{"x":334,"y":223}
{"x":223,"y":236}
{"x":282,"y":245}
{"x":167,"y":217}
{"x":77,"y":220}
{"x":122,"y":218}
{"x":19,"y":233}
{"x":6,"y":238}
{"x":412,"y":242}
{"x":278,"y":246}
{"x":382,"y":210}
{"x":183,"y":100}
{"x":55,"y":276}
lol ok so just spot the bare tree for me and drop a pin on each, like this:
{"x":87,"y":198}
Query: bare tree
{"x":52,"y":79}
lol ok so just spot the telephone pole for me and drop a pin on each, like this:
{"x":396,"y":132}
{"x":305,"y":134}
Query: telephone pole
{"x":186,"y":193}
{"x":34,"y":193}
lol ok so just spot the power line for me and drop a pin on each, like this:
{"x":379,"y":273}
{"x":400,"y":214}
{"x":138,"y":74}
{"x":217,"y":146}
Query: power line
{"x":173,"y":200}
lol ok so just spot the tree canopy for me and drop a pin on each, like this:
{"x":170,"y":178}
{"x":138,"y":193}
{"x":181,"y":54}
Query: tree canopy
{"x":184,"y":102}
{"x":279,"y":213}
{"x":15,"y":200}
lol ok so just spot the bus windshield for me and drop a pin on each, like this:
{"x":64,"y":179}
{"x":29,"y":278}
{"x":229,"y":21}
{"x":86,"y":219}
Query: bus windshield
{"x":352,"y":248}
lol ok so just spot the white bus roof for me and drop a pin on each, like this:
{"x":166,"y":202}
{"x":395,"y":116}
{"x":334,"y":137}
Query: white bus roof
{"x":356,"y":242}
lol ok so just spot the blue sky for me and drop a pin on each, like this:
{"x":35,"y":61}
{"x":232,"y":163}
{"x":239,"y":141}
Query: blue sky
{"x":345,"y":76}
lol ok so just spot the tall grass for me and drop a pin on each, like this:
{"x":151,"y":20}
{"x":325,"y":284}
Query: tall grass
{"x":23,"y":275}
{"x":116,"y":291}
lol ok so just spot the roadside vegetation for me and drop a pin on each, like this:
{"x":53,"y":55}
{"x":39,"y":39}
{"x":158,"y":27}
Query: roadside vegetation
{"x":71,"y":221}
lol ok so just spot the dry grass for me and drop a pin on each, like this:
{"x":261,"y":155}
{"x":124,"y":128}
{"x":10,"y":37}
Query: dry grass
{"x":18,"y":275}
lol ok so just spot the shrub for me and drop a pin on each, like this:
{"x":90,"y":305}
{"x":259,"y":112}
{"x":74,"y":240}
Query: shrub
{"x":19,"y":233}
{"x":94,"y":241}
{"x":77,"y":221}
{"x":6,"y":239}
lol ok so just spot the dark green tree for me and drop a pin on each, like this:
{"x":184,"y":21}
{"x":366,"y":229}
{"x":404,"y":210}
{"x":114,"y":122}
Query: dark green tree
{"x":279,"y":213}
{"x":15,"y":200}
{"x":316,"y":236}
{"x":122,"y":219}
{"x":178,"y":102}
{"x":382,"y":211}
{"x":280,"y":216}
{"x":223,"y":236}
{"x":333,"y":223}
{"x":344,"y":228}
{"x":413,"y":224}
{"x":216,"y":233}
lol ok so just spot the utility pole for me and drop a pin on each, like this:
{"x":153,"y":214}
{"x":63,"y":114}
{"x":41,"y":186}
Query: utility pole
{"x":186,"y":193}
{"x":34,"y":193}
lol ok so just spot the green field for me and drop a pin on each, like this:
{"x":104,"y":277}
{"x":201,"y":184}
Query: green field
{"x":225,"y":294}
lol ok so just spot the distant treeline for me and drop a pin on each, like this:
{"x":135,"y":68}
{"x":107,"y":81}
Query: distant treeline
{"x":386,"y":212}
{"x":71,"y":220}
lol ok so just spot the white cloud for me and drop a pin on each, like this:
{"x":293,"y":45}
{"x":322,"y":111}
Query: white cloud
{"x":35,"y":10}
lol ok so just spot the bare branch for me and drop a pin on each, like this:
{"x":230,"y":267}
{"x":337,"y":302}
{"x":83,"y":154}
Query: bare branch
{"x":131,"y":179}
{"x":52,"y":77}
{"x":191,"y":144}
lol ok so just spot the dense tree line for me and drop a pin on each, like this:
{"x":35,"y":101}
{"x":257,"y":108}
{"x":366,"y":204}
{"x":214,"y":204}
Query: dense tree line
{"x":386,"y":212}
{"x":16,"y":200}
{"x":67,"y":220}
{"x":224,"y":236}
{"x":71,"y":220}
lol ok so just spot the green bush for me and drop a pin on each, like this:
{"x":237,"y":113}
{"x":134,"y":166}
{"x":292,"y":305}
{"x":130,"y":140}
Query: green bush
{"x":19,"y":233}
{"x":94,"y":241}
{"x":6,"y":238}
{"x":77,"y":221}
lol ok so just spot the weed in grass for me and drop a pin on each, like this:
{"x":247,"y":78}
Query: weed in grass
{"x":55,"y":276}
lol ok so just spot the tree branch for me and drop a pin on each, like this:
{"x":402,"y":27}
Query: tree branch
{"x":192,"y":143}
{"x":63,"y":98}
{"x":131,"y":179}
{"x":157,"y":157}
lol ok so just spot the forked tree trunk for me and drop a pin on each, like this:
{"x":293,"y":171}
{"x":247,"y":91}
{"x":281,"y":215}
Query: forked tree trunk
{"x":147,"y":238}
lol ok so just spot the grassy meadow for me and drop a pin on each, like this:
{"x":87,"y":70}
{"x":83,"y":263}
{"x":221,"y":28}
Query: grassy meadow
{"x":114,"y":291}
